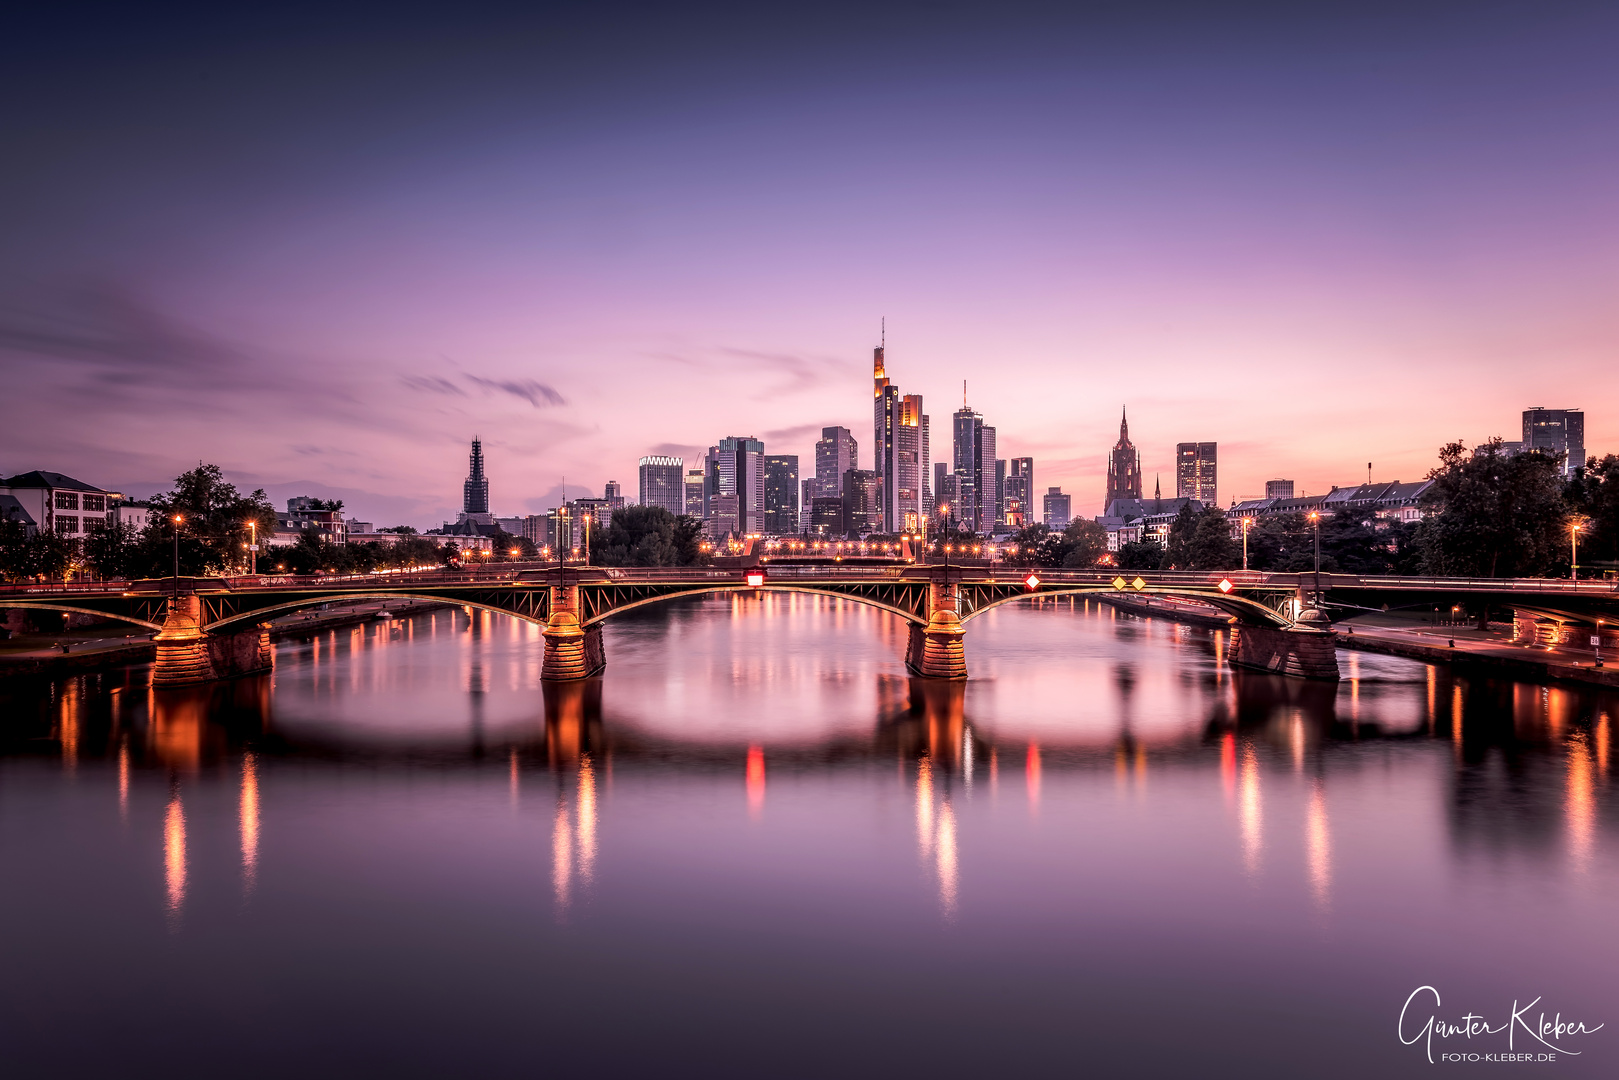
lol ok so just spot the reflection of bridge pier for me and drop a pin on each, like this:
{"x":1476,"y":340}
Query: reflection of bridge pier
{"x":572,"y":721}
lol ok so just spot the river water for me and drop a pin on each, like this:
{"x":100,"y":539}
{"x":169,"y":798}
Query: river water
{"x":754,"y":847}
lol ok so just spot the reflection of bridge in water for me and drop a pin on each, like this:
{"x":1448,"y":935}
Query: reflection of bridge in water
{"x":214,"y":627}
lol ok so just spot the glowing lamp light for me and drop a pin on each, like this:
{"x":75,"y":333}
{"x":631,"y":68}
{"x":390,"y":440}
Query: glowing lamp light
{"x":756,"y":579}
{"x":1225,"y":585}
{"x":1032,"y":582}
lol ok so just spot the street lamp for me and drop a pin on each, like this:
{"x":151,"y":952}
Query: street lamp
{"x":1247,"y":523}
{"x":1574,"y":551}
{"x":253,"y":548}
{"x":179,"y":519}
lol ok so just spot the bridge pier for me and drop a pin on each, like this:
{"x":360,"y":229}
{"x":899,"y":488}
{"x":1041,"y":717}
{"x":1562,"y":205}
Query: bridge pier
{"x":1309,"y":649}
{"x":937,"y":650}
{"x":572,"y":651}
{"x":187,"y":654}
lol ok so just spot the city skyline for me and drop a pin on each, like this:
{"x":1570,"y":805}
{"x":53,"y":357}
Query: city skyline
{"x":1263,"y":230}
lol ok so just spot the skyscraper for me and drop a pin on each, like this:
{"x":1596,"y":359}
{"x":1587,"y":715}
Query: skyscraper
{"x":663,"y":483}
{"x":1551,"y":431}
{"x":898,"y":431}
{"x":475,"y":492}
{"x":694,"y":494}
{"x":1123,"y":467}
{"x":1195,"y":472}
{"x":781,"y":494}
{"x":835,"y":454}
{"x":1057,"y":509}
{"x":988,"y":491}
{"x":1000,"y":492}
{"x":741,"y":469}
{"x":862,"y":502}
{"x":967,"y":428}
{"x":1019,"y":496}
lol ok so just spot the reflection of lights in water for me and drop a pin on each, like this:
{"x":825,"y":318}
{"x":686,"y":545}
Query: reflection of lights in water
{"x":587,"y":819}
{"x":1602,"y":744}
{"x":1228,"y":763}
{"x":1141,"y":765}
{"x":562,"y":856}
{"x":756,"y":779}
{"x":924,"y":804}
{"x":513,"y":781}
{"x":123,"y":778}
{"x":1456,"y":717}
{"x":1433,"y":696}
{"x":1248,"y":810}
{"x":1580,"y":802}
{"x":1318,"y":845}
{"x":947,"y":860}
{"x":70,"y":726}
{"x":967,"y":757}
{"x":174,"y":857}
{"x":1354,"y":686}
{"x":1032,"y":770}
{"x":250,"y":822}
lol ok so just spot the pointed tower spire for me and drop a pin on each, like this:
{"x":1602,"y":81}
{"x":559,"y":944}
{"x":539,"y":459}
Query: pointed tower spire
{"x":1124,"y":425}
{"x":1157,"y":488}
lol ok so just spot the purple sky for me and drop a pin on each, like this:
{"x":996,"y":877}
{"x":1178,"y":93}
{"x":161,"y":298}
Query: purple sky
{"x":324,"y":252}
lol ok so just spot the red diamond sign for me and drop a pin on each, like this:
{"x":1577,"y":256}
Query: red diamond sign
{"x":1225,"y":585}
{"x":1032,"y":582}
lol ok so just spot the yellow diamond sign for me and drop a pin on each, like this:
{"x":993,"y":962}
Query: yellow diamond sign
{"x":1118,"y":583}
{"x":1138,"y":583}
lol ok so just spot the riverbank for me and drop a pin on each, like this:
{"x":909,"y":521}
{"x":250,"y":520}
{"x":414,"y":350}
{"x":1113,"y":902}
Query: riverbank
{"x":1484,"y":651}
{"x":1175,"y":608}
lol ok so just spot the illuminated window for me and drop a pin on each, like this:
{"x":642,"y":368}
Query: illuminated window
{"x":66,"y":525}
{"x":67,"y":500}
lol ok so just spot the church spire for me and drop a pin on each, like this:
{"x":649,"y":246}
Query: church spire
{"x":1157,"y":488}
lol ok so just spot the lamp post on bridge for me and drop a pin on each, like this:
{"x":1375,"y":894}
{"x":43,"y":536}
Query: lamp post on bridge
{"x":1247,"y":522}
{"x":178,"y":520}
{"x":1574,"y":551}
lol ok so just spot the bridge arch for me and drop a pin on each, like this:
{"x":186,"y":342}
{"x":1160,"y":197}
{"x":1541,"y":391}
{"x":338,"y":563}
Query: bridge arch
{"x":909,"y":616}
{"x":259,"y":614}
{"x":1246,"y":611}
{"x":45,"y":605}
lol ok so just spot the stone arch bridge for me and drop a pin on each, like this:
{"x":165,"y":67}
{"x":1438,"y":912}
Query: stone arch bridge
{"x":217,"y":627}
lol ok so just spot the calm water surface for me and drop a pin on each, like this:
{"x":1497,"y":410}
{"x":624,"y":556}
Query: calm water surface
{"x":756,"y":848}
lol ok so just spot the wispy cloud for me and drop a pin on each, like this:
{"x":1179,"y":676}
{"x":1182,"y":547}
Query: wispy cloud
{"x":431,"y":384}
{"x":536,"y":394}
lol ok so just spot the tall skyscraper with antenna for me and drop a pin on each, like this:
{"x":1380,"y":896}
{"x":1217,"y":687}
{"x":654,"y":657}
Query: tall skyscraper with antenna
{"x":900,"y":436}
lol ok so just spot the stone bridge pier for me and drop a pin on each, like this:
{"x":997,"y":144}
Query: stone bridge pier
{"x":572,"y":651}
{"x":937,"y":651}
{"x":186,"y":653}
{"x":1307,"y":649}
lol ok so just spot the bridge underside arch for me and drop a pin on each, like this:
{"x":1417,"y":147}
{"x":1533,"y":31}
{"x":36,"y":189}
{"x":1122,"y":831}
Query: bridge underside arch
{"x":271,"y":611}
{"x":40,"y":605}
{"x":596,"y":613}
{"x":1245,"y":611}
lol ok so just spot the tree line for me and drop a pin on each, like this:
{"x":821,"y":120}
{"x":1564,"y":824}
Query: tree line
{"x":1488,"y":514}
